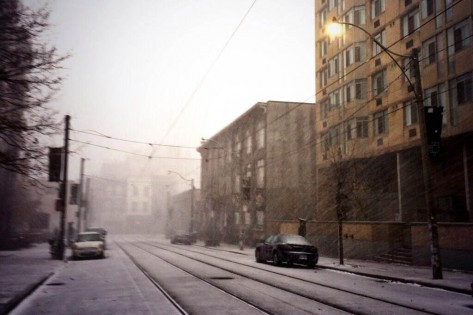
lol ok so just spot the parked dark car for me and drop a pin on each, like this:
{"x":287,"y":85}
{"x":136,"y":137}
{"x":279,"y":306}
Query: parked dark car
{"x":181,"y":238}
{"x":287,"y":248}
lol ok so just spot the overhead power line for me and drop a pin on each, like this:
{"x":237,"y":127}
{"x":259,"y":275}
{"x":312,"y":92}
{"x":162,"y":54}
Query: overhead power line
{"x":201,"y":82}
{"x":133,"y":153}
{"x":99,"y":134}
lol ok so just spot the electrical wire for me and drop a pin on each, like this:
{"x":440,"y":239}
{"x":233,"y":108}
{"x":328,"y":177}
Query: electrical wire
{"x":201,"y":82}
{"x":133,"y":153}
{"x":98,"y":134}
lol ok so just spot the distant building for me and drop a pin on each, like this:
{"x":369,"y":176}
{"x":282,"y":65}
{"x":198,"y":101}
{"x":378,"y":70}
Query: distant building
{"x":183,"y":209}
{"x":258,"y":169}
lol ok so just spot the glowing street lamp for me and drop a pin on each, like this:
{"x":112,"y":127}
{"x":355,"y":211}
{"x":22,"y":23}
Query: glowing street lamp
{"x":334,"y":29}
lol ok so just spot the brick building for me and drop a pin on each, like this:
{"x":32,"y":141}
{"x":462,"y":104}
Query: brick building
{"x":259,"y":169}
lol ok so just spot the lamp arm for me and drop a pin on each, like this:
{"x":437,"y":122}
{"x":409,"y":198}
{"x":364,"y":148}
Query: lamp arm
{"x":389,"y":52}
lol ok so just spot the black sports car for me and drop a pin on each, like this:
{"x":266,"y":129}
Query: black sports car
{"x":288,"y":248}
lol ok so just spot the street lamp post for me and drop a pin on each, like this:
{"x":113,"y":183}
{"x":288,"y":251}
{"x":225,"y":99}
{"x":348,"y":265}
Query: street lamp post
{"x":191,"y":223}
{"x":334,"y":29}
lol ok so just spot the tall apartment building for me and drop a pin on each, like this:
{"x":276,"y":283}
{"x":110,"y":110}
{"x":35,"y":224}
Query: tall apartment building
{"x":259,"y":170}
{"x":366,"y":108}
{"x":365,"y":102}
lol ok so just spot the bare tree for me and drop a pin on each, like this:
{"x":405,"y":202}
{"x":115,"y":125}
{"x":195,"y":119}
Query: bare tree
{"x":346,"y":188}
{"x":28,"y":81}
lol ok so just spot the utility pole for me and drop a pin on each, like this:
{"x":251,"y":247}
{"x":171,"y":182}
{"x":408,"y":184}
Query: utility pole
{"x":426,"y":170}
{"x":191,"y":225}
{"x":80,"y":195}
{"x":86,"y":202}
{"x":64,"y":190}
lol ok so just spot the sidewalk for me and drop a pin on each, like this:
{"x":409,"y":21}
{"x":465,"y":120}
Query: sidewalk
{"x":21,"y":271}
{"x":453,"y":280}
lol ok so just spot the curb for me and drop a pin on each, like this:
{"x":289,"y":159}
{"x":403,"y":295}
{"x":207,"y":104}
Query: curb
{"x":10,"y":305}
{"x":402,"y":280}
{"x":381,"y":277}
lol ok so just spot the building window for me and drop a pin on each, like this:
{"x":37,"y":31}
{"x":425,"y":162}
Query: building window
{"x":324,"y":108}
{"x":247,"y":218}
{"x":357,"y":128}
{"x":380,"y":38}
{"x":410,"y":112}
{"x":449,"y":10}
{"x":427,"y":8}
{"x":333,"y":66}
{"x":322,"y":48}
{"x":429,"y":48}
{"x":260,"y":174}
{"x":260,"y":218}
{"x":334,"y":98}
{"x":348,"y":92}
{"x":237,"y":147}
{"x":355,"y":16}
{"x":249,"y":142}
{"x":377,"y":7}
{"x":322,"y":17}
{"x":237,"y":183}
{"x":380,"y":122}
{"x":379,"y":82}
{"x":461,"y":89}
{"x":332,"y":4}
{"x":325,"y":142}
{"x":260,"y":137}
{"x":458,"y":36}
{"x":362,"y":127}
{"x":410,"y":22}
{"x":360,"y":89}
{"x":237,"y":218}
{"x":323,"y":77}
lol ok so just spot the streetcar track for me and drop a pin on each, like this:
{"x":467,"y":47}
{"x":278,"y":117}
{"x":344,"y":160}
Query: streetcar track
{"x":155,"y":283}
{"x":288,"y":276}
{"x":196,"y":276}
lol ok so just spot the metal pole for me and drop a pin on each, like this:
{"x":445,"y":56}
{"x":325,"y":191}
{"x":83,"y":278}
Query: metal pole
{"x":87,"y":204}
{"x":191,"y":225}
{"x":64,"y":190}
{"x":80,"y":195}
{"x":426,"y":170}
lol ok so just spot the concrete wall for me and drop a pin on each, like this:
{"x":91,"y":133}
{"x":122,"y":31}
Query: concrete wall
{"x":365,"y":240}
{"x":456,"y":245}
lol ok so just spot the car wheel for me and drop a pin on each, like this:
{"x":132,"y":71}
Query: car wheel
{"x":311,"y":265}
{"x":276,"y":259}
{"x":102,"y":255}
{"x":257,"y":256}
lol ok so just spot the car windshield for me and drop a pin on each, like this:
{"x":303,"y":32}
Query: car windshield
{"x":88,"y":237}
{"x":293,"y":239}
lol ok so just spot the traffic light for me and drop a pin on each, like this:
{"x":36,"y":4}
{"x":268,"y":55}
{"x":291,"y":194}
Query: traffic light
{"x":433,"y":124}
{"x":74,"y":194}
{"x":55,"y":164}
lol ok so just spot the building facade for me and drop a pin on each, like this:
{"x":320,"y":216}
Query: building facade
{"x":367,"y":111}
{"x":257,"y":170}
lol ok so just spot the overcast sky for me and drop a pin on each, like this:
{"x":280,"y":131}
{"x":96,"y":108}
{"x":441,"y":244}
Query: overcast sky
{"x":136,"y":64}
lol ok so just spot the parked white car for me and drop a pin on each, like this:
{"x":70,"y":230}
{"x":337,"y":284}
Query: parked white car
{"x":88,"y":244}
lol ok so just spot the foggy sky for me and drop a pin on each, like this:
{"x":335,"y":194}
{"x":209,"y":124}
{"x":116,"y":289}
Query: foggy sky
{"x":135,"y":64}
